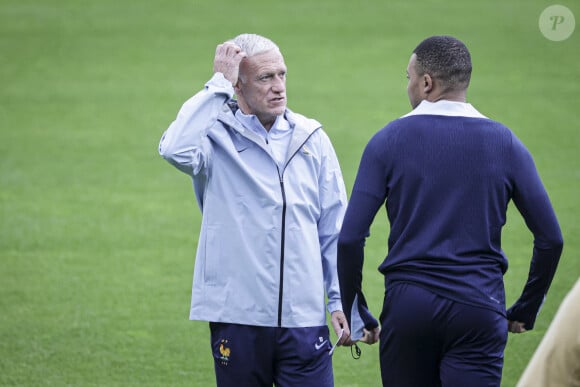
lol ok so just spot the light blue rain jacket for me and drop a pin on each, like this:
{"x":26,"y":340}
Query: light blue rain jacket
{"x":267,"y":248}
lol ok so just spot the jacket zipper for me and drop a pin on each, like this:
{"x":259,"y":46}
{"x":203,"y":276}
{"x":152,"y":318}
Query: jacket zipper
{"x":283,"y":230}
{"x":282,"y":244}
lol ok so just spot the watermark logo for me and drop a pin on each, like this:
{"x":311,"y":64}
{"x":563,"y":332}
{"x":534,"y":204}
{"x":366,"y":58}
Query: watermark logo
{"x":557,"y":23}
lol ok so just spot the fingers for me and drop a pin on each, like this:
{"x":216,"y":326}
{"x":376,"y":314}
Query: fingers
{"x":375,"y":334}
{"x":340,"y":326}
{"x":372,"y":336}
{"x":230,"y":50}
{"x":516,"y":327}
{"x":227,"y":60}
{"x":369,"y":337}
{"x":348,"y":342}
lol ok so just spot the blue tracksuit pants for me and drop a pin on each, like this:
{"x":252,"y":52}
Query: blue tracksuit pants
{"x":264,"y":356}
{"x":430,"y":341}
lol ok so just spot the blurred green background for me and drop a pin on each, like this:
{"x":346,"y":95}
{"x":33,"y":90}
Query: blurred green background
{"x":98,"y":233}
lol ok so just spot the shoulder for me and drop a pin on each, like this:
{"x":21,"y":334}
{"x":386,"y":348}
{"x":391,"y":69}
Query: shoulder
{"x":308,"y":129}
{"x":301,"y":121}
{"x":391,"y":132}
{"x":508,"y":136}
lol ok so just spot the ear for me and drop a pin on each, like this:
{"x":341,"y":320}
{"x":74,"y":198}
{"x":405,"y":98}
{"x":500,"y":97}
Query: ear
{"x":427,"y":85}
{"x":237,"y":88}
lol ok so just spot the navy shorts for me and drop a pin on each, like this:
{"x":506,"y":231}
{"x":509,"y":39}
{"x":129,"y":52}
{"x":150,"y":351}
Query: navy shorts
{"x":430,"y":341}
{"x":263,"y":356}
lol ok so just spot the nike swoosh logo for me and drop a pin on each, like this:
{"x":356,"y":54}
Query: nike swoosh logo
{"x":318,"y":346}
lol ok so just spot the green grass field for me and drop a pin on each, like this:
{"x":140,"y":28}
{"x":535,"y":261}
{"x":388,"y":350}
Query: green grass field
{"x":98,"y":233}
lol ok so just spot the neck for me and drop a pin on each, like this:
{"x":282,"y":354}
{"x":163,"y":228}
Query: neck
{"x":267,"y":122}
{"x":448,"y":95}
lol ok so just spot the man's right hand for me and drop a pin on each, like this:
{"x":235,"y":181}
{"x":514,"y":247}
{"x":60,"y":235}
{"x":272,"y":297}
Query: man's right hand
{"x":369,"y":337}
{"x":372,"y":336}
{"x":516,"y":327}
{"x":227,"y":61}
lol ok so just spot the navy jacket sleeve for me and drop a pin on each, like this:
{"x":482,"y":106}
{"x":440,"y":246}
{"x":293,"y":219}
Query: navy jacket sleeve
{"x":532,"y":201}
{"x":366,"y":199}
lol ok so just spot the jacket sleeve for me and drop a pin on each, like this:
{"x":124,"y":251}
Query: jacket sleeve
{"x":531,"y":199}
{"x":368,"y":195}
{"x":332,"y":193}
{"x":184,"y":144}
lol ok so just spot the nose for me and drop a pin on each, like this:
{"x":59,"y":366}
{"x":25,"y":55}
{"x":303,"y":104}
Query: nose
{"x":278,"y":84}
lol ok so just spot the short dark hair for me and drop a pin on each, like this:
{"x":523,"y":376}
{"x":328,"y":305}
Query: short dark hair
{"x":445,"y":58}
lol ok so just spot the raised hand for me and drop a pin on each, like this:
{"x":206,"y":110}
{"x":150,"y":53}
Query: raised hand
{"x":227,"y":61}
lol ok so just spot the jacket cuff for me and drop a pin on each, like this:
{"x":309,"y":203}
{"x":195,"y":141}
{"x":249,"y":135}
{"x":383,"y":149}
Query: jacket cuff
{"x":361,"y":319}
{"x":219,"y":84}
{"x":333,"y":306}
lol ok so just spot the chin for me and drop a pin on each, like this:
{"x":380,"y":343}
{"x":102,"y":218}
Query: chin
{"x":279,"y":111}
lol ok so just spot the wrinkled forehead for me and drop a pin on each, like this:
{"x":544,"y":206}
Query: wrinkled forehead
{"x":265,"y":61}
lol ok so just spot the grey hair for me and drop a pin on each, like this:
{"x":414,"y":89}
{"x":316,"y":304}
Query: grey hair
{"x":253,"y":44}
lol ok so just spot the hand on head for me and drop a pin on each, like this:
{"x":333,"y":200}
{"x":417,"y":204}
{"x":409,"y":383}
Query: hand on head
{"x":227,"y":61}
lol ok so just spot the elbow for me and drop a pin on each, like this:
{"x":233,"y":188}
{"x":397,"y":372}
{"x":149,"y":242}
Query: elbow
{"x":349,"y":241}
{"x":553,"y":243}
{"x":163,"y":149}
{"x":165,"y":153}
{"x":169,"y":153}
{"x":558,"y":244}
{"x":352,"y":236}
{"x":557,"y":241}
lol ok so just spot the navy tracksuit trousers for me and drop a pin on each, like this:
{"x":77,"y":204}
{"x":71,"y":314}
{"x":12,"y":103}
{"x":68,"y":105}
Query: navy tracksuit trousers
{"x":251,"y":356}
{"x":430,"y":341}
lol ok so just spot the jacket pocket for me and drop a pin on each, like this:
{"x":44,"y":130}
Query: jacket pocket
{"x":212,"y":257}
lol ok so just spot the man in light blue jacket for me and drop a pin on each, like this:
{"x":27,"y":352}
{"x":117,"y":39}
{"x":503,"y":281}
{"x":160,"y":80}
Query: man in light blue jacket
{"x":272,"y":196}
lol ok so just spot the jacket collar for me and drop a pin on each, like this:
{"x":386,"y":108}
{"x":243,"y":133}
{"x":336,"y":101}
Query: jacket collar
{"x":302,"y":127}
{"x":446,"y":108}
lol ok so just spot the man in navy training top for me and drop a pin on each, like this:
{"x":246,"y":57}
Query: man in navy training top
{"x":446,"y":174}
